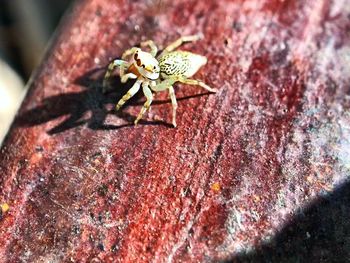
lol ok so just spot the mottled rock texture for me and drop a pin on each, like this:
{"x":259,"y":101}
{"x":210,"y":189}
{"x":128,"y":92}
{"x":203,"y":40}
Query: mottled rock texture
{"x":256,"y":172}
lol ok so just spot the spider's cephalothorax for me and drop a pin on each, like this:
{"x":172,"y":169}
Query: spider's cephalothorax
{"x":144,"y":64}
{"x":157,"y":73}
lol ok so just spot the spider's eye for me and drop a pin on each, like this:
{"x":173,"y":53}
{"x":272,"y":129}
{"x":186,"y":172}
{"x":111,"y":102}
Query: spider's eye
{"x":135,"y":56}
{"x":154,"y":67}
{"x":143,"y":65}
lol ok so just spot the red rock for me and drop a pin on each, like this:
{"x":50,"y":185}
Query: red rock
{"x":84,"y":185}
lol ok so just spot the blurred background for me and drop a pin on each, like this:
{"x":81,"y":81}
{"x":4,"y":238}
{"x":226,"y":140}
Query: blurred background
{"x":25,"y":28}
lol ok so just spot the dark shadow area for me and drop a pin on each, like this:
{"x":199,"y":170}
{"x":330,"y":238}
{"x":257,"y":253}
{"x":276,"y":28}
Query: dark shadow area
{"x":319,"y":233}
{"x":75,"y":105}
{"x":19,"y":47}
{"x":91,"y":101}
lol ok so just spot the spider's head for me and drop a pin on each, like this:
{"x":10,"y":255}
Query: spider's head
{"x":146,"y":64}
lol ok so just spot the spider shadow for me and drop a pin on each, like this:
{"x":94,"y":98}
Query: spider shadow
{"x":88,"y":107}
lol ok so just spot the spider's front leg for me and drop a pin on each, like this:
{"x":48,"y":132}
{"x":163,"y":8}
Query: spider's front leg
{"x":149,"y":97}
{"x":131,"y":92}
{"x":111,"y":67}
{"x":129,"y":52}
{"x":132,"y":50}
{"x":152,"y":46}
{"x":124,"y":78}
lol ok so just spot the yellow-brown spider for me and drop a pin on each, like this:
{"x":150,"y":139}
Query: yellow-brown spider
{"x":157,"y":73}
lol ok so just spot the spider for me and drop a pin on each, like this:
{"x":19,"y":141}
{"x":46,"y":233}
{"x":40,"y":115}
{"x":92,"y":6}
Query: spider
{"x":157,"y":73}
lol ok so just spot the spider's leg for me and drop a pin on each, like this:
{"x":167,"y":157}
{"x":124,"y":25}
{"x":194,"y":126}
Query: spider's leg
{"x":111,"y":67}
{"x":167,"y":84}
{"x":173,"y":103}
{"x":131,"y":92}
{"x":129,"y":52}
{"x":163,"y":85}
{"x":149,"y":97}
{"x":152,"y":46}
{"x":124,"y":78}
{"x":179,"y":42}
{"x":197,"y":82}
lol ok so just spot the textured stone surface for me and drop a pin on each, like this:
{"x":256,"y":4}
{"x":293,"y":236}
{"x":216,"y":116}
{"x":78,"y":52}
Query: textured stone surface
{"x":256,"y":172}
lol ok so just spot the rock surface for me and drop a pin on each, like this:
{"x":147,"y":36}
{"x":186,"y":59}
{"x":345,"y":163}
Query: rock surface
{"x":256,"y":172}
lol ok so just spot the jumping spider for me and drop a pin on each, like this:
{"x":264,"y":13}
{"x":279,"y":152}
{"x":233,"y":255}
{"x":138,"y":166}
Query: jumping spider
{"x":157,"y":73}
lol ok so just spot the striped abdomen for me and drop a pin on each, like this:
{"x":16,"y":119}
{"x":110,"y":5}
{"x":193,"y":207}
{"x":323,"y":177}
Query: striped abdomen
{"x":180,"y":64}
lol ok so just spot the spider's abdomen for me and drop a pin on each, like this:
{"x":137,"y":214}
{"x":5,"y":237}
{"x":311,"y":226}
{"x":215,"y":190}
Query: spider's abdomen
{"x":180,"y":64}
